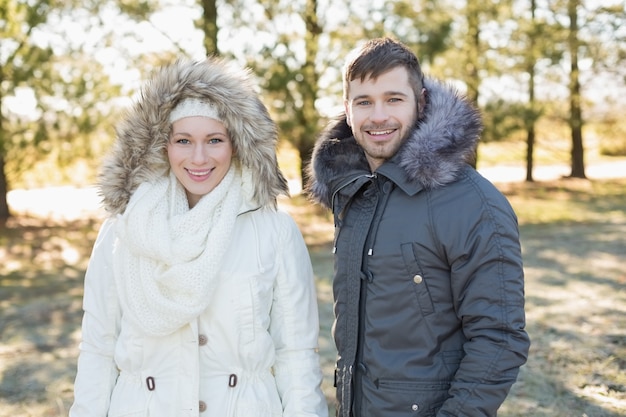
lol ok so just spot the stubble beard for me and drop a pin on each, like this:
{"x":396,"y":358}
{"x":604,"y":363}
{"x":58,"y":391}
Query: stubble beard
{"x":383,"y":151}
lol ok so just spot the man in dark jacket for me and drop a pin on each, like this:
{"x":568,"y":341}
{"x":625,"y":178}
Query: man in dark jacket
{"x":428,"y":285}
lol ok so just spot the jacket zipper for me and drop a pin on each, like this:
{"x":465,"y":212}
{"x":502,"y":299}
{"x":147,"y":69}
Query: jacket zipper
{"x":382,"y":199}
{"x":341,"y":187}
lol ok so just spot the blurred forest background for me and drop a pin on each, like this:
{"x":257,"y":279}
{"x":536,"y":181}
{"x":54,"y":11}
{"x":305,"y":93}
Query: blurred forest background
{"x":541,"y":70}
{"x":548,"y":75}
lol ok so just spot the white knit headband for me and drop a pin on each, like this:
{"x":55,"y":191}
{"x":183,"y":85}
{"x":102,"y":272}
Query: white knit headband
{"x":193,"y":107}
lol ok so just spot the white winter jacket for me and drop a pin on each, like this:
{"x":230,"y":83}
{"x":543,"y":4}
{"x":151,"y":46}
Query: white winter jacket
{"x":253,"y":352}
{"x":256,"y":344}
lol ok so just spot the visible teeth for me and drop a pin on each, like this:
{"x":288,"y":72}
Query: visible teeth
{"x":385,"y":132}
{"x":199,"y":173}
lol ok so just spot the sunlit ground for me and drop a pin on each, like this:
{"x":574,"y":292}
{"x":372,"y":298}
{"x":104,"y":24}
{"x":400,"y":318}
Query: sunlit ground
{"x":574,"y":247}
{"x":57,"y":203}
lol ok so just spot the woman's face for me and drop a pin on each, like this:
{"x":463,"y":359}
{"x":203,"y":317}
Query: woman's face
{"x":200,"y":153}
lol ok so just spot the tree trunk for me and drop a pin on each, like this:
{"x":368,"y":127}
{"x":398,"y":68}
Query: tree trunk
{"x":472,"y":79}
{"x":4,"y":204}
{"x":305,"y":151}
{"x":4,"y":187}
{"x":576,"y":119}
{"x":308,"y":89}
{"x":473,"y":44}
{"x":209,"y":26}
{"x":530,"y":120}
{"x":530,"y":149}
{"x":578,"y":157}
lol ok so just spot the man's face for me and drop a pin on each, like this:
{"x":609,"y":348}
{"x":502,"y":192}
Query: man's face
{"x":381,"y":113}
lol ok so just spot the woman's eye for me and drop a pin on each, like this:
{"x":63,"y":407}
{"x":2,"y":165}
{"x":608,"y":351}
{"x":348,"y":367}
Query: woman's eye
{"x":182,"y":141}
{"x":215,"y":140}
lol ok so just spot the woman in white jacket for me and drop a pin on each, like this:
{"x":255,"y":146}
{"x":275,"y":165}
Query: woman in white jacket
{"x":199,"y":295}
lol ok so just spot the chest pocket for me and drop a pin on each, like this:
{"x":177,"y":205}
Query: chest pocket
{"x":255,"y":288}
{"x":420,"y":285}
{"x":249,"y":272}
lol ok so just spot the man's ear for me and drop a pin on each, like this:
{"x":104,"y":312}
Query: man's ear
{"x":421,"y":103}
{"x":345,"y":107}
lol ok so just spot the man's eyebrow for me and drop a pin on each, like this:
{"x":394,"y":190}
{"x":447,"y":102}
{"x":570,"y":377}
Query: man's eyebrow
{"x":360,"y":97}
{"x":386,"y":94}
{"x":396,"y":93}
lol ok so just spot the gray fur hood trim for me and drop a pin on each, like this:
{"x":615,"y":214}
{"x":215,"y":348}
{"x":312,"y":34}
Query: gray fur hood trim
{"x":442,"y":143}
{"x":139,"y":152}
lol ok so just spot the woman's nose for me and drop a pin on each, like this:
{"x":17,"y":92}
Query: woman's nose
{"x":200,"y":154}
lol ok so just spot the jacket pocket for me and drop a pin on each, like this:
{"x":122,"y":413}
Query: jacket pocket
{"x":248,"y":407}
{"x":452,"y":360}
{"x":129,"y":398}
{"x":393,"y":398}
{"x":416,"y":275}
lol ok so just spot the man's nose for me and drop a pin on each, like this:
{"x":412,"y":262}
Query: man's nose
{"x":379,"y":113}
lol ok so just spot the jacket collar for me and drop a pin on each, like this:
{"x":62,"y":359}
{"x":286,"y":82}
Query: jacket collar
{"x":442,"y":143}
{"x":396,"y":174}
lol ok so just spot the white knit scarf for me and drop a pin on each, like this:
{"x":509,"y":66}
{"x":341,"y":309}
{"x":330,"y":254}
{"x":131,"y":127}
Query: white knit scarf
{"x":168,"y":257}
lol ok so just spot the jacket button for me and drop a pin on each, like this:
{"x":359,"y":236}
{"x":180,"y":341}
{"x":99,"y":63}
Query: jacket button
{"x":202,"y":339}
{"x":415,"y":407}
{"x":417,"y":279}
{"x":202,"y":406}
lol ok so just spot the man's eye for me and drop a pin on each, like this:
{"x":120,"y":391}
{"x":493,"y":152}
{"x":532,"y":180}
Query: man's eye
{"x":362,"y":103}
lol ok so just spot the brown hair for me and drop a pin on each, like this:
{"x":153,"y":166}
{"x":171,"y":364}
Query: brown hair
{"x":378,"y":56}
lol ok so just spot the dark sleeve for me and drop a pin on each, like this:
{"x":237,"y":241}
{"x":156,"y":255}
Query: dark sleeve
{"x":488,"y":292}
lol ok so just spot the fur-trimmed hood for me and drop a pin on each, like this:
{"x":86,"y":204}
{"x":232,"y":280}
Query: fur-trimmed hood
{"x":441,"y":144}
{"x":139,"y":152}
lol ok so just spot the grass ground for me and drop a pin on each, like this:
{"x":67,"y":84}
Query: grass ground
{"x":574,"y":244}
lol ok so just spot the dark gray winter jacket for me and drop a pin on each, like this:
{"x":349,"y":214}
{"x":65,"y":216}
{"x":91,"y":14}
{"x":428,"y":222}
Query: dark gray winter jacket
{"x":428,"y":285}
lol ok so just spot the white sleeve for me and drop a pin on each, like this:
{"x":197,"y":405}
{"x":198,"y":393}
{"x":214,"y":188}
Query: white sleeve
{"x":295,"y":327}
{"x":96,"y":370}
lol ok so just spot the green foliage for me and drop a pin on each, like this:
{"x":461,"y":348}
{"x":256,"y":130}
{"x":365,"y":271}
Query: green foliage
{"x":612,"y":134}
{"x":49,"y":55}
{"x":288,"y":65}
{"x":504,"y":118}
{"x":297,"y":49}
{"x":427,"y":27}
{"x":135,"y":9}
